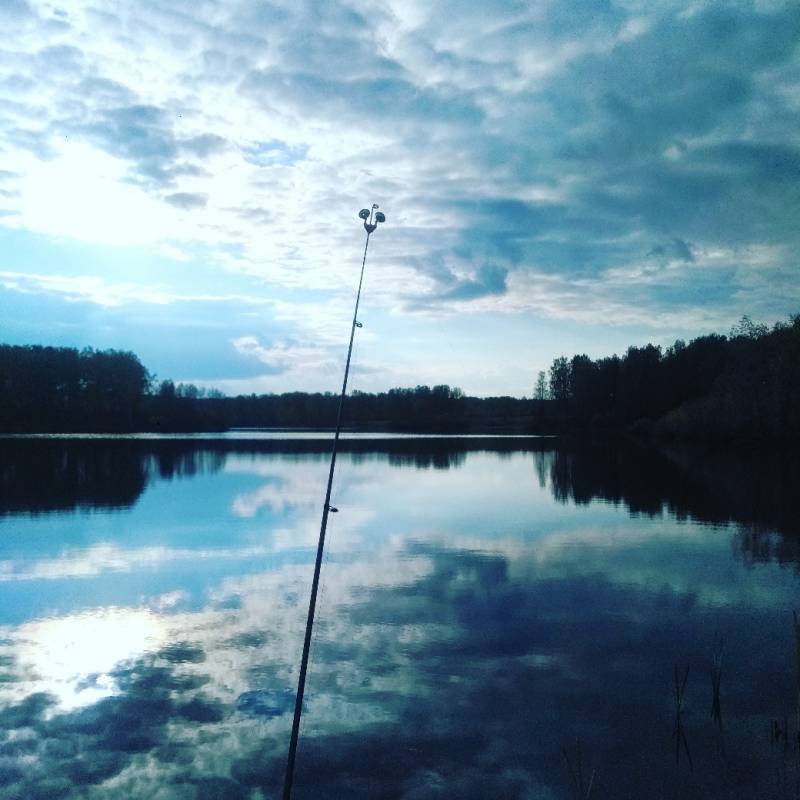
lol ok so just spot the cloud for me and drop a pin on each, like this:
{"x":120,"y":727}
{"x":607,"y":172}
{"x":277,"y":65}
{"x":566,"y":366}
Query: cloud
{"x":677,"y":248}
{"x":97,"y":290}
{"x":87,"y":288}
{"x":187,"y":201}
{"x":204,"y":145}
{"x":487,"y":280}
{"x":102,"y":558}
{"x":552,"y":143}
{"x":16,"y":10}
{"x":281,"y":357}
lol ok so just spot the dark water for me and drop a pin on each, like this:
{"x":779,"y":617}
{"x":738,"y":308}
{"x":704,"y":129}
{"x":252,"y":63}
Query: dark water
{"x":498,"y":619}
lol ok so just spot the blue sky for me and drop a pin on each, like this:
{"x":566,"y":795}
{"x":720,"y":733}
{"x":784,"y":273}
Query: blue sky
{"x":182,"y":180}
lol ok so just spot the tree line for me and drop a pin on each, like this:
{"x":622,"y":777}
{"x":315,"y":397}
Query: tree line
{"x":437,"y":409}
{"x":61,"y":389}
{"x":743,"y":386}
{"x":45,"y":389}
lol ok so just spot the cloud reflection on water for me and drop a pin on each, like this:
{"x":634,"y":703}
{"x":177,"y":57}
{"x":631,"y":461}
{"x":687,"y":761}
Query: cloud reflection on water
{"x":72,"y":657}
{"x":458,"y":647}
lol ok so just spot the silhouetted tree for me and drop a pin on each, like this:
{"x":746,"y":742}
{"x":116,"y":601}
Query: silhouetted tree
{"x":740,"y":387}
{"x":583,"y":388}
{"x":540,"y":392}
{"x":59,"y":388}
{"x":560,"y":380}
{"x":745,"y":386}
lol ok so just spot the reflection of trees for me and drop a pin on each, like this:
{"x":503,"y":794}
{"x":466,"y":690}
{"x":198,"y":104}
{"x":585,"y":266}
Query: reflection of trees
{"x":441,"y":459}
{"x":754,"y":489}
{"x":757,"y":490}
{"x":169,"y":463}
{"x":43,"y":475}
{"x":438,"y":453}
{"x":636,"y":476}
{"x":39,"y":475}
{"x":763,"y":545}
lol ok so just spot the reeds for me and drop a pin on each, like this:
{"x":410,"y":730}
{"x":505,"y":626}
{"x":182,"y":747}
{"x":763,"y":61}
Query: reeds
{"x":580,"y":788}
{"x":716,"y":678}
{"x":797,"y":676}
{"x":779,"y":732}
{"x":679,"y":733}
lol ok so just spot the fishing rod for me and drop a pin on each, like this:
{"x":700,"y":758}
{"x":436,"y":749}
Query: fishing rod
{"x":371,"y":219}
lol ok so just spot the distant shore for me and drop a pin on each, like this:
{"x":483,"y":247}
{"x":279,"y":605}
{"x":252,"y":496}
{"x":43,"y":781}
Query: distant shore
{"x":743,"y":388}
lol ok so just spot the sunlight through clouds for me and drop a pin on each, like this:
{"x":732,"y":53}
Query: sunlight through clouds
{"x":82,"y":194}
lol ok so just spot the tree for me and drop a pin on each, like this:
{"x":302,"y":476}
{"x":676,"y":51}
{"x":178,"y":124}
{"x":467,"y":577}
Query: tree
{"x":748,"y":329}
{"x":540,"y":392}
{"x":583,"y":387}
{"x":560,"y":380}
{"x":639,"y":390}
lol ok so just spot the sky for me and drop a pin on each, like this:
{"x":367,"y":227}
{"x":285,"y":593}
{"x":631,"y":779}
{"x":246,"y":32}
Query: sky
{"x":183,"y":180}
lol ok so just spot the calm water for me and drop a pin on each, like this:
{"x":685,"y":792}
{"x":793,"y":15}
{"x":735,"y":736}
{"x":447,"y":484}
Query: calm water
{"x":497,"y":619}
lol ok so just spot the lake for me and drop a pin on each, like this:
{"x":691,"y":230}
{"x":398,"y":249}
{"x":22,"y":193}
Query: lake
{"x":498,"y":618}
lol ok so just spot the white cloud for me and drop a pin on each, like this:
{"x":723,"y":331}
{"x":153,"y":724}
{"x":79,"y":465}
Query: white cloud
{"x":99,"y":291}
{"x":103,"y":558}
{"x":283,"y":356}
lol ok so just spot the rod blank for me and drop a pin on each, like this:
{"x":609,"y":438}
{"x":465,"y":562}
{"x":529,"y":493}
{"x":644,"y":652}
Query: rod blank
{"x":369,"y":226}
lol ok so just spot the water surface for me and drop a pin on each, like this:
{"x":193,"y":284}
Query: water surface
{"x":497,"y":618}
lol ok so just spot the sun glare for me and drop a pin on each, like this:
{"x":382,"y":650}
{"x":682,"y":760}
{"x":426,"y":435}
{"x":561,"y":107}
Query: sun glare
{"x":71,"y":657}
{"x":82,"y":194}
